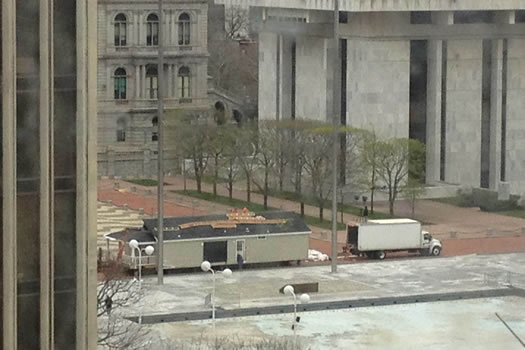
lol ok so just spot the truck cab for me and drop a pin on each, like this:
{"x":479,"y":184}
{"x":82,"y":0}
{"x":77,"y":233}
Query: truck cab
{"x":430,"y":245}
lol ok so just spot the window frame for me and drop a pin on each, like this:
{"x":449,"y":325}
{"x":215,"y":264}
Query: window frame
{"x":120,"y":84}
{"x":184,"y":29}
{"x":152,"y":30}
{"x":152,"y":82}
{"x":184,"y":82}
{"x":120,"y":30}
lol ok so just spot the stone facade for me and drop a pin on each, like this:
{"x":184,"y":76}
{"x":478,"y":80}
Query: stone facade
{"x":471,"y":115}
{"x":127,"y":78}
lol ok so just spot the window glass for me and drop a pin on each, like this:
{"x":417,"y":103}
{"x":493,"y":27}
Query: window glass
{"x":184,"y":29}
{"x":152,"y":27}
{"x":28,"y":173}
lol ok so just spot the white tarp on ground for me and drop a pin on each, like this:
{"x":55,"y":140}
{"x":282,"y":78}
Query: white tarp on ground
{"x":315,"y":255}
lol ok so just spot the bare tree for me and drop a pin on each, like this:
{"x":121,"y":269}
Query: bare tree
{"x":395,"y":159}
{"x":318,"y":145}
{"x":192,"y":136}
{"x":231,"y":158}
{"x":237,"y":21}
{"x":114,"y":294}
{"x":368,"y":165}
{"x":247,"y":152}
{"x":268,"y":155}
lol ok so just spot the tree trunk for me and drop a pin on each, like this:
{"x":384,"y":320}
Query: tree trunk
{"x":266,"y":189}
{"x":321,"y":209}
{"x":281,"y":174}
{"x":230,"y":180}
{"x":198,"y":180}
{"x":302,"y":208}
{"x":391,"y":206}
{"x":413,"y":207}
{"x":248,"y":189}
{"x":373,"y":190}
{"x":215,"y":175}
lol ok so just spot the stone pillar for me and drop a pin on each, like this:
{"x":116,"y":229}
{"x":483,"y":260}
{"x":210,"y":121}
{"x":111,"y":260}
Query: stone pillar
{"x":495,"y":114}
{"x":137,"y":82}
{"x":139,"y":30}
{"x":143,"y":80}
{"x":169,"y":81}
{"x":111,"y":163}
{"x":433,"y":142}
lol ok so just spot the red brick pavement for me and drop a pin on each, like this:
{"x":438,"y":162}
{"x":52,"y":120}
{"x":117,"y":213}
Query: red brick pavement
{"x":453,"y":247}
{"x":136,"y":202}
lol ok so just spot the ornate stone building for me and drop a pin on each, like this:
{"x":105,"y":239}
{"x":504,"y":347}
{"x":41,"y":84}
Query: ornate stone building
{"x":128,"y":33}
{"x":449,"y":73}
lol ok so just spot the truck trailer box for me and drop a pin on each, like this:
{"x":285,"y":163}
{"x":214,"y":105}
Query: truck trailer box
{"x":390,"y":234}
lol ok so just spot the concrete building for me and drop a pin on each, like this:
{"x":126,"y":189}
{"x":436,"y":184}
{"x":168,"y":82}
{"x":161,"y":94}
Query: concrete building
{"x":127,"y":78}
{"x":48,"y":177}
{"x":449,"y":73}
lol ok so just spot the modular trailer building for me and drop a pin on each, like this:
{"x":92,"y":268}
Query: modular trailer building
{"x":257,"y":237}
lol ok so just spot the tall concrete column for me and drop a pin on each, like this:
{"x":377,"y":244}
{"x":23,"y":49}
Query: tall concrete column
{"x":285,"y":78}
{"x":433,"y":127}
{"x":495,"y":114}
{"x":268,"y":73}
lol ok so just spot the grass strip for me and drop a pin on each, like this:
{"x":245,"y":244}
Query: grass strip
{"x":256,"y":207}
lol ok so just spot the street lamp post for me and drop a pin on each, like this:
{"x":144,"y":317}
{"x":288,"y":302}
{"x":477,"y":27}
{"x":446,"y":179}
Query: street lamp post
{"x":206,"y":266}
{"x":133,"y":244}
{"x":304,"y":298}
{"x":337,"y":108}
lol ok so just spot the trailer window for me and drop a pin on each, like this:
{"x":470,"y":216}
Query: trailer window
{"x":216,"y":251}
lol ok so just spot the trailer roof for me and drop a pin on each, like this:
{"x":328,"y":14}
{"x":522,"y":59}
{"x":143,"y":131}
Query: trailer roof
{"x":393,"y":221}
{"x":215,"y":226}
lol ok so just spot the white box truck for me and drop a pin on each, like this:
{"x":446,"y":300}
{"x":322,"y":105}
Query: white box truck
{"x":377,"y":237}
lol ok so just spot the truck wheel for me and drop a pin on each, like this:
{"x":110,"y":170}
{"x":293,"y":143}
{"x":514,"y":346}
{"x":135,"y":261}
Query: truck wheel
{"x":381,"y":255}
{"x":436,"y":251}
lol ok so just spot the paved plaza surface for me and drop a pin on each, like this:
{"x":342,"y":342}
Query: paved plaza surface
{"x":260,"y":287}
{"x":466,"y":324}
{"x":456,"y":325}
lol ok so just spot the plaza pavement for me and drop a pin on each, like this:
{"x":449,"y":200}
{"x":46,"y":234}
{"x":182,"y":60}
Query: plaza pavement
{"x":186,"y":292}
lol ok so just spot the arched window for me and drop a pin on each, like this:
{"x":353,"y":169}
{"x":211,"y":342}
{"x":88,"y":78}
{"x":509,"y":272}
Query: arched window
{"x":120,"y":84}
{"x":184,"y":29}
{"x":120,"y":29}
{"x":155,"y":129}
{"x":184,"y":85}
{"x":151,"y":82}
{"x":152,"y":27}
{"x":121,"y":130}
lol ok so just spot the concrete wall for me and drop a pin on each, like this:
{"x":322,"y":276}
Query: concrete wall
{"x":312,"y":79}
{"x":378,"y":86}
{"x":463,"y":114}
{"x":268,"y":76}
{"x":384,"y":5}
{"x":515,"y":146}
